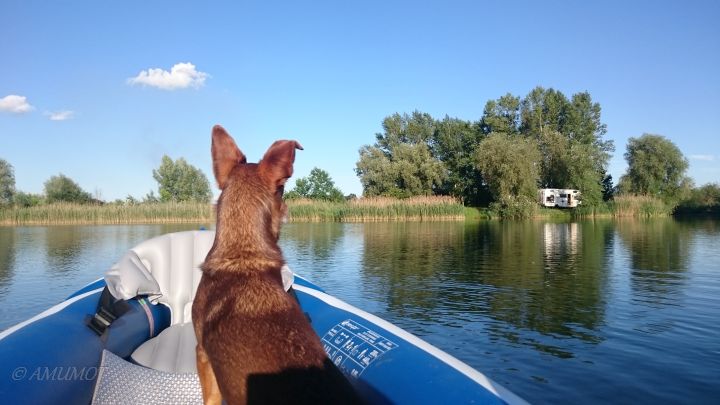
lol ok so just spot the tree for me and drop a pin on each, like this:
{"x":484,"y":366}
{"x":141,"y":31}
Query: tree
{"x":656,"y":167}
{"x":180,"y":181}
{"x":501,"y":115}
{"x":7,"y":183}
{"x":570,"y":136}
{"x":150,"y":198}
{"x":317,"y":186}
{"x":509,"y":166}
{"x":401,"y":163}
{"x":608,"y":191}
{"x":24,"y":200}
{"x":61,"y":188}
{"x":454,"y":144}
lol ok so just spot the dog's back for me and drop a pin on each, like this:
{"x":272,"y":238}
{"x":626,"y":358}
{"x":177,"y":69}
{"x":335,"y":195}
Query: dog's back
{"x":254,"y":343}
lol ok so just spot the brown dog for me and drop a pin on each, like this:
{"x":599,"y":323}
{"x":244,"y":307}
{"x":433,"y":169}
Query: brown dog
{"x":254,"y":343}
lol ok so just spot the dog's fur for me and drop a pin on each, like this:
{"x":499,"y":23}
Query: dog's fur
{"x":254,"y":343}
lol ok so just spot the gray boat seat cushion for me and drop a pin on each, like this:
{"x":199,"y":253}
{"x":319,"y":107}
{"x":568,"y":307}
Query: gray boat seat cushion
{"x":173,"y":350}
{"x":121,"y":382}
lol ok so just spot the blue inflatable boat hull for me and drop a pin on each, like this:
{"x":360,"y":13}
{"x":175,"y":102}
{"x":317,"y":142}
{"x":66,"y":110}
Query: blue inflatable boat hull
{"x":55,"y":357}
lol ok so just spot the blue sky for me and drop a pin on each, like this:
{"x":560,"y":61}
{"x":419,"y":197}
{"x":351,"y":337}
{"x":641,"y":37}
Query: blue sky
{"x":327,"y":73}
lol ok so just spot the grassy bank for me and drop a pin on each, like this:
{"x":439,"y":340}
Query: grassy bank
{"x":70,"y":214}
{"x":627,"y":206}
{"x":375,"y":209}
{"x":620,"y":207}
{"x":361,"y":210}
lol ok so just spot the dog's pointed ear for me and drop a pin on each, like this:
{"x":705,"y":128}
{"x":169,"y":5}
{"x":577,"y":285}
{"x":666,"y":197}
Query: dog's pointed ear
{"x":278,"y":161}
{"x":225,"y":155}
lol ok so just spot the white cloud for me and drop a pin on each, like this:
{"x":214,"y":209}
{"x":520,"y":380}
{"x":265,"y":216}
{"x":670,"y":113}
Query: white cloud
{"x":708,"y":158}
{"x":60,"y":115}
{"x":15,"y":104}
{"x":180,"y":76}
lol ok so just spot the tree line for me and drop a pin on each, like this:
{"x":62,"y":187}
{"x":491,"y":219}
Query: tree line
{"x":178,"y":181}
{"x":520,"y":144}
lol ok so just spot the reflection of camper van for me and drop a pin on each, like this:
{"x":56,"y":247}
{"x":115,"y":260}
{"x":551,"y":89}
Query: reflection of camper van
{"x":559,"y":197}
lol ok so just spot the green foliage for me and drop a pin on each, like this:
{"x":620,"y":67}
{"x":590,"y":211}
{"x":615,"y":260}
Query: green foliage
{"x":508,"y":166}
{"x":372,"y":209}
{"x":520,"y":207}
{"x":570,"y":136}
{"x":543,"y":110}
{"x":639,"y":206}
{"x":501,"y":115}
{"x":703,"y":200}
{"x":454,"y":143}
{"x":317,"y":186}
{"x":400,"y":164}
{"x":180,"y":181}
{"x":419,"y":155}
{"x":116,"y":213}
{"x":61,"y":188}
{"x":150,"y":198}
{"x":7,"y":183}
{"x":608,"y":191}
{"x":24,"y":200}
{"x":656,"y":168}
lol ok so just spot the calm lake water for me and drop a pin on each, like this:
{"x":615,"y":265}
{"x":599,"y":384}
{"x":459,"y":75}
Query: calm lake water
{"x":584,"y":312}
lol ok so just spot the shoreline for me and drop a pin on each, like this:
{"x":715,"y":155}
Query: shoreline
{"x":376,"y":209}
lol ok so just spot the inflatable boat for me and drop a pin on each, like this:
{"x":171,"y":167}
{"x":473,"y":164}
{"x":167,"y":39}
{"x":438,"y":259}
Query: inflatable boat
{"x":128,"y":338}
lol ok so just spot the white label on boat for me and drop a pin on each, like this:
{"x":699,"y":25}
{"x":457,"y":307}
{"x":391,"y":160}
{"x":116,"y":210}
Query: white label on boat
{"x":353,"y":347}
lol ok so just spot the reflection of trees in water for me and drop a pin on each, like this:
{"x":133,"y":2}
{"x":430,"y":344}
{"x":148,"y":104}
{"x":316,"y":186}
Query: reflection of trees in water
{"x":313,"y":248}
{"x":699,"y":226}
{"x":7,"y":255}
{"x":63,"y":245}
{"x":404,"y":262}
{"x":659,"y":251}
{"x":556,"y":290}
{"x":319,"y":239}
{"x":451,"y":273}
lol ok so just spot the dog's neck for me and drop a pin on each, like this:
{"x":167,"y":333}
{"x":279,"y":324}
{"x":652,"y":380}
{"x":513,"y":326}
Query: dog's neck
{"x":243,"y":246}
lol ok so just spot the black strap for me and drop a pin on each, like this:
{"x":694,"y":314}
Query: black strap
{"x":108,"y":310}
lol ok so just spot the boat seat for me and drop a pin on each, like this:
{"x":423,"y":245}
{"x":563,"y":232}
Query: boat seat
{"x":172,"y":351}
{"x":167,"y":270}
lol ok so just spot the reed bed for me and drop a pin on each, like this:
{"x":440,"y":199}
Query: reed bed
{"x":371,"y":209}
{"x":639,"y":206}
{"x":378,"y":209}
{"x":76,"y":214}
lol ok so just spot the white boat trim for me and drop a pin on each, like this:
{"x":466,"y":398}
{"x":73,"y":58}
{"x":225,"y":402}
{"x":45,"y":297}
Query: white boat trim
{"x":463,"y":368}
{"x":50,"y":311}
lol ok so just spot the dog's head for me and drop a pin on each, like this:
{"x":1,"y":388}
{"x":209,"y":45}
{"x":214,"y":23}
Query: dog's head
{"x":251,"y":197}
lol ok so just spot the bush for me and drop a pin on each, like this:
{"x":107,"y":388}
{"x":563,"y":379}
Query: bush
{"x":61,"y":188}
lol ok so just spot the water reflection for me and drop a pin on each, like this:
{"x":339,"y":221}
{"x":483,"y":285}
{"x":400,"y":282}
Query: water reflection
{"x":63,"y":246}
{"x":7,"y":256}
{"x":318,"y":240}
{"x":558,"y":291}
{"x":525,"y":276}
{"x":561,"y":240}
{"x":659,"y":253}
{"x":404,"y":265}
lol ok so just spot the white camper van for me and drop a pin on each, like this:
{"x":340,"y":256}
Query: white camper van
{"x":559,"y":197}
